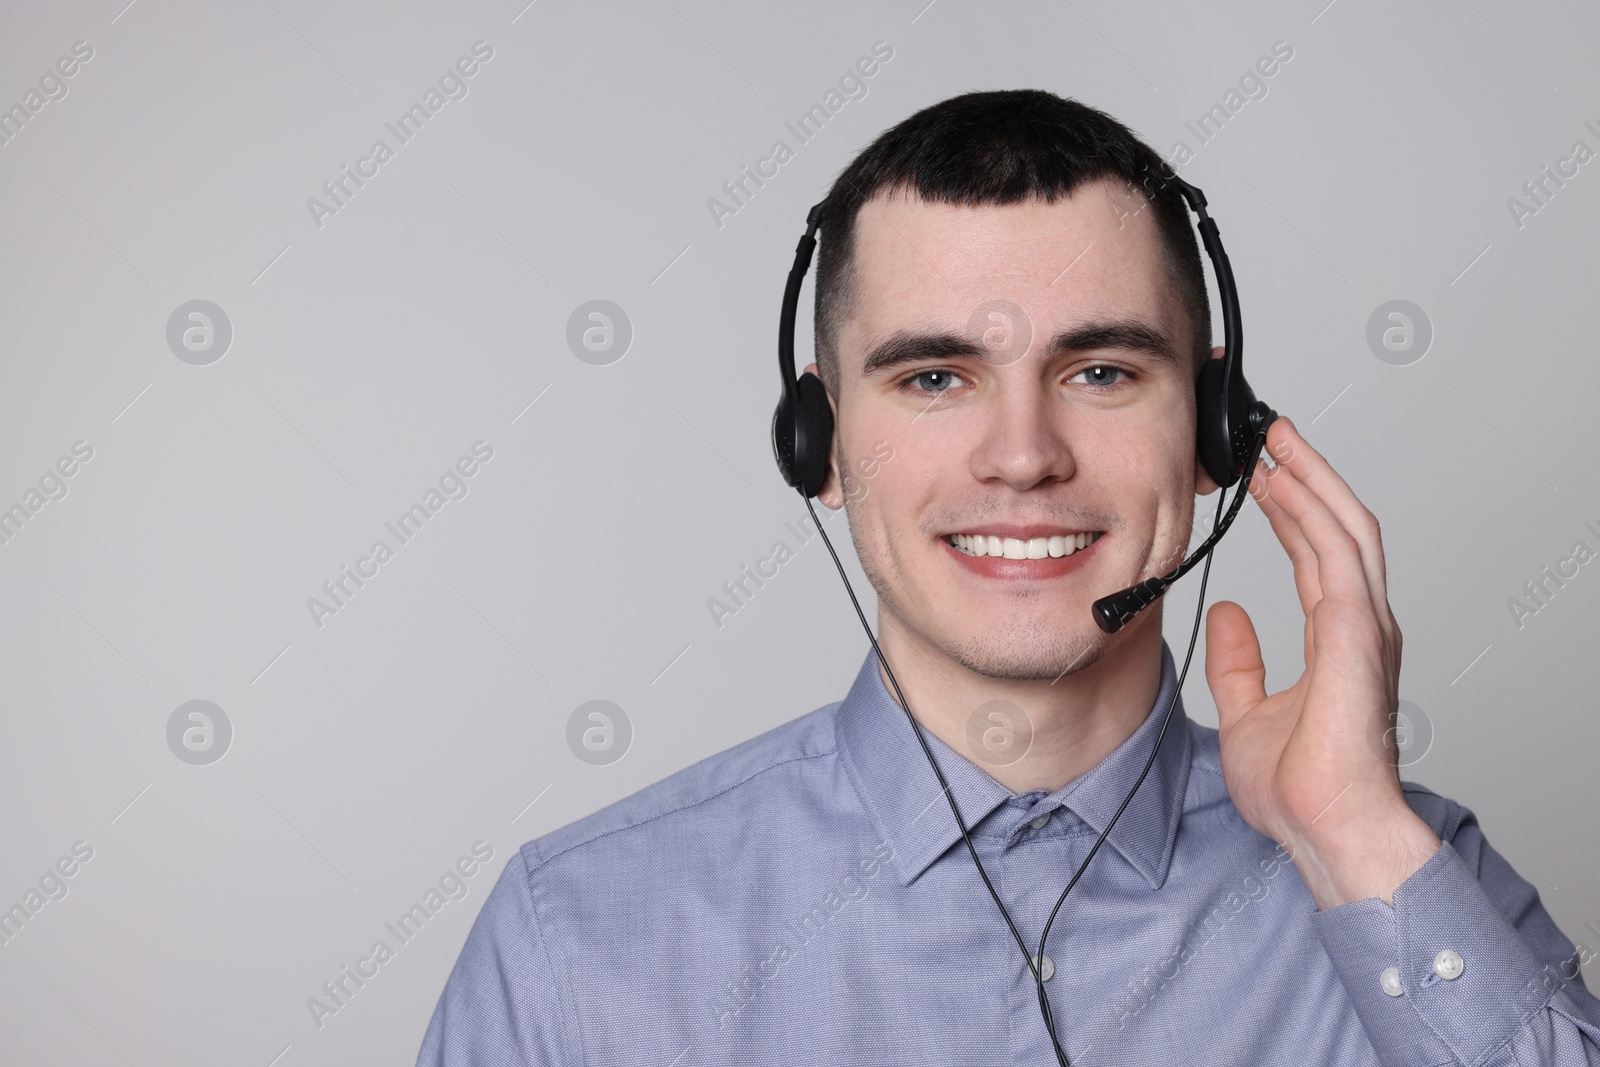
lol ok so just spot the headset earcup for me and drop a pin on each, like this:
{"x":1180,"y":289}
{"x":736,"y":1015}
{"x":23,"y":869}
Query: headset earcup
{"x":802,"y":445}
{"x":814,"y":442}
{"x":1211,"y":425}
{"x":783,"y":437}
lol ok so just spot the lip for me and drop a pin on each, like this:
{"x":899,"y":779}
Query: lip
{"x":1022,"y":570}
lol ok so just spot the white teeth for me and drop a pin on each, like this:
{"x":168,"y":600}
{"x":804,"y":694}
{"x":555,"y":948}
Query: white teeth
{"x":1014,"y":548}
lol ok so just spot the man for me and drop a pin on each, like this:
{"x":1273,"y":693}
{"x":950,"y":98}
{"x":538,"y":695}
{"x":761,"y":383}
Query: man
{"x":1271,"y":895}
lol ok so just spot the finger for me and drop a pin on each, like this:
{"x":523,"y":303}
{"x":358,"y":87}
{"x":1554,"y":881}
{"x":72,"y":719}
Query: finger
{"x":1306,"y":567}
{"x":1234,"y":669}
{"x":1340,"y":572}
{"x":1314,"y":471}
{"x":1306,"y":580}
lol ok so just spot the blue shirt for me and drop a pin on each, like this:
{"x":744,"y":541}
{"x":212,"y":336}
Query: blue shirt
{"x":805,"y":898}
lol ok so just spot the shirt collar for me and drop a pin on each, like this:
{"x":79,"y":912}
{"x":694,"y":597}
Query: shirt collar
{"x":902,"y":796}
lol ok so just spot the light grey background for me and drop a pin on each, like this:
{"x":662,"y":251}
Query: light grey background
{"x":369,"y":353}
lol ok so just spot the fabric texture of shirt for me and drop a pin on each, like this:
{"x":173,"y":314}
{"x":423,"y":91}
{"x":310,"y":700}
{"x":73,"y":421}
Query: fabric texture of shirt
{"x":805,"y":898}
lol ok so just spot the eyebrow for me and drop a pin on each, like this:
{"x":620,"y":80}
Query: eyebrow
{"x":1125,"y":334}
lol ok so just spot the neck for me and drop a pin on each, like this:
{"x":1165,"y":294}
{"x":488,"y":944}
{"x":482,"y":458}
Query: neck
{"x":1067,"y":725}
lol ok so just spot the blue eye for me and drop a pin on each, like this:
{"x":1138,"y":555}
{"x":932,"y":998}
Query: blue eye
{"x":931,"y":381}
{"x":1098,"y":374}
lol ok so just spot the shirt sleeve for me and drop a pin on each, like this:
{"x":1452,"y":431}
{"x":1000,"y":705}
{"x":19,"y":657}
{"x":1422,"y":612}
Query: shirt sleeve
{"x":1480,"y":975}
{"x":502,"y":1004}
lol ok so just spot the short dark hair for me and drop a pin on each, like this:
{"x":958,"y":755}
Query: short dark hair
{"x":999,"y":147}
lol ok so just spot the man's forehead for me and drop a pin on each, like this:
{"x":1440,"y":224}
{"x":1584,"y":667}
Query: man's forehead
{"x":1028,"y":234}
{"x":1097,"y":251}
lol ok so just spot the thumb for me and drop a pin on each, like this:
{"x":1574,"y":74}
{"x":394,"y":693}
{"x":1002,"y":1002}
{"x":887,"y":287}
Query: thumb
{"x":1233,"y":662}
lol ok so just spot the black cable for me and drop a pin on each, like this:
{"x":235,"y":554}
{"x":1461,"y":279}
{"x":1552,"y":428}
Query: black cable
{"x":1035,"y":969}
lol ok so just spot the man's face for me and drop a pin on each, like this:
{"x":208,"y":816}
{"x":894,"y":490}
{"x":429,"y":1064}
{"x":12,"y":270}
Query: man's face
{"x":1012,"y":358}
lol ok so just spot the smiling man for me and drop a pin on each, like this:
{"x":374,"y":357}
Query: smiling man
{"x":1006,"y":300}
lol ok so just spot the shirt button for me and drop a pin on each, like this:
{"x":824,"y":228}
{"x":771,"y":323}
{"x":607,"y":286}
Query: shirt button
{"x":1448,"y":965}
{"x":1038,"y":824}
{"x":1046,"y":965}
{"x":1390,"y":980}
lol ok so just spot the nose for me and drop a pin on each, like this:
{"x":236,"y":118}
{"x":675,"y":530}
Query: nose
{"x":1022,"y":442}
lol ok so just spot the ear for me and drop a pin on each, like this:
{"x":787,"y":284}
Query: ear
{"x":1203,"y":483}
{"x":832,"y":494}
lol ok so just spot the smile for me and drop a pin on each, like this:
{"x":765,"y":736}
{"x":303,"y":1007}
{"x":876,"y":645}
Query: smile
{"x":1015,"y":548}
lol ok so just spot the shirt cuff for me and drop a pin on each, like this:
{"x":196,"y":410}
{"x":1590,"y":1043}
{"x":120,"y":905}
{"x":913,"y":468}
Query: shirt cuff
{"x":1465,"y":980}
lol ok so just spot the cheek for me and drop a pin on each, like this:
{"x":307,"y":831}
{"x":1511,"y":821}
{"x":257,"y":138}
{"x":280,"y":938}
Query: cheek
{"x":1153,"y":457}
{"x":882,"y":509}
{"x":886,"y":514}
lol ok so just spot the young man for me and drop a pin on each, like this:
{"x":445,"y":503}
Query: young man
{"x":1002,"y":303}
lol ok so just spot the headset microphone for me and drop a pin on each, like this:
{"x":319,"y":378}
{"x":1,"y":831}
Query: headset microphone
{"x":1231,"y":428}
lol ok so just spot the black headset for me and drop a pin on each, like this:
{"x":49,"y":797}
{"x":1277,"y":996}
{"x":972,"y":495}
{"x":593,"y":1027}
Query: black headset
{"x":1230,"y":427}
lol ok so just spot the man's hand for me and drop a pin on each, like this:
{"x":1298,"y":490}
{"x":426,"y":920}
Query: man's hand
{"x":1314,"y":767}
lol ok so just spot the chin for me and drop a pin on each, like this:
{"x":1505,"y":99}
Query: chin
{"x":1030,"y":653}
